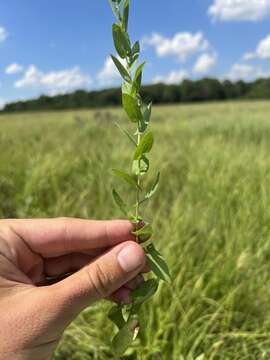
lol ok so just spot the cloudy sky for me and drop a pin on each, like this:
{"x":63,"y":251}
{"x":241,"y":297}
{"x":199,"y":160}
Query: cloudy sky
{"x":50,"y":47}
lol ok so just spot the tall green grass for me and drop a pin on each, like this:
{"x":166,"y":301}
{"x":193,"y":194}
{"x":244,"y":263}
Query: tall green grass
{"x":212,"y":212}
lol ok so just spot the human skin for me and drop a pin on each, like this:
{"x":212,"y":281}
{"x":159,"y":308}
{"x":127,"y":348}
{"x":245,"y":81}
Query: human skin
{"x":103,"y":261}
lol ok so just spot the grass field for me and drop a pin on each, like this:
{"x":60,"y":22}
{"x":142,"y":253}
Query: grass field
{"x":211,"y":215}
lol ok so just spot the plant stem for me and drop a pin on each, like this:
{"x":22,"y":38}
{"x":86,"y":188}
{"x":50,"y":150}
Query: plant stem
{"x":138,"y":189}
{"x":137,"y":206}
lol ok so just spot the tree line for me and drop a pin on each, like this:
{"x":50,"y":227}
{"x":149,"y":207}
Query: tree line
{"x":188,"y":91}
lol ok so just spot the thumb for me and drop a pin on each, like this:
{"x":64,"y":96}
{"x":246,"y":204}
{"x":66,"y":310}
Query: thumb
{"x":102,"y":277}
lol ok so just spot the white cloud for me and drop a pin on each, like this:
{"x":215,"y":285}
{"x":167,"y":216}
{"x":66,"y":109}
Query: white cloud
{"x":31,"y":78}
{"x":181,"y":45}
{"x":249,"y":56}
{"x":262,"y":51}
{"x":13,"y":69}
{"x":53,"y":82}
{"x":3,"y":34}
{"x":246,"y":72}
{"x":205,"y":63}
{"x":108,"y":74}
{"x":174,"y":77}
{"x":239,"y":10}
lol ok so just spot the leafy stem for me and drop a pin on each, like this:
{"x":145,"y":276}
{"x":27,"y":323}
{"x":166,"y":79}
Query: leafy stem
{"x":137,"y":205}
{"x":139,"y":113}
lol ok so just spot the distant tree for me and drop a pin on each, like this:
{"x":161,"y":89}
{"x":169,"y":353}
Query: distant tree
{"x":242,"y":88}
{"x":171,"y":94}
{"x":260,"y":89}
{"x":188,"y":91}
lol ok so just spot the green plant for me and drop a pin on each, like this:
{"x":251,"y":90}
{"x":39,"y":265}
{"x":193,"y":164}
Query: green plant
{"x":126,"y":318}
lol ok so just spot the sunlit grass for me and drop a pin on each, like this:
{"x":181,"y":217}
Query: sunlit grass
{"x":212,"y":214}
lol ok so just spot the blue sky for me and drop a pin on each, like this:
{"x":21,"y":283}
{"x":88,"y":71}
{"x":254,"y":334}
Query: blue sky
{"x":50,"y":47}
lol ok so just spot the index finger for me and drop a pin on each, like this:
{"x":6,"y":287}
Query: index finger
{"x":56,"y":237}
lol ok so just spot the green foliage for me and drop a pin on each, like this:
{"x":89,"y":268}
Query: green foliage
{"x":121,"y":41}
{"x":153,"y":189}
{"x":141,"y":166}
{"x":125,"y":15}
{"x":157,"y":263}
{"x":127,"y":178}
{"x":135,"y":52}
{"x":144,"y":292}
{"x":144,"y":146}
{"x":147,"y":112}
{"x":139,"y":114}
{"x":116,"y":316}
{"x":145,"y":230}
{"x":132,"y":108}
{"x":137,"y":82}
{"x":124,"y":131}
{"x":119,"y":202}
{"x":122,"y":70}
{"x":124,"y":338}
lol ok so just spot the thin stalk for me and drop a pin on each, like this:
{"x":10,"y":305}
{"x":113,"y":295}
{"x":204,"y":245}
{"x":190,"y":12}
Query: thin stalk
{"x":137,"y":206}
{"x":138,"y":188}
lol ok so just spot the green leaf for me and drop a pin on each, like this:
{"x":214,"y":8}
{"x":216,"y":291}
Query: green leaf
{"x":146,"y":230}
{"x":144,"y":292}
{"x":119,"y":202}
{"x":135,"y":219}
{"x":135,"y":51}
{"x":124,"y":338}
{"x":144,"y":233}
{"x":116,"y":316}
{"x":157,"y":263}
{"x":131,"y":138}
{"x":136,"y":170}
{"x":131,"y":107}
{"x":153,"y":189}
{"x":126,"y":177}
{"x":127,"y":89}
{"x":125,"y":14}
{"x":115,"y":11}
{"x":140,"y":167}
{"x":156,"y":270}
{"x":144,"y":146}
{"x":121,"y":41}
{"x":137,"y":81}
{"x":146,"y":111}
{"x":122,"y":70}
{"x":144,"y":165}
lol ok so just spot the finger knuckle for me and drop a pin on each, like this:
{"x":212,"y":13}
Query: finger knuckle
{"x":99,"y":281}
{"x":65,"y":232}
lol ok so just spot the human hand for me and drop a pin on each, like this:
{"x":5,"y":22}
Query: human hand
{"x":101,"y":256}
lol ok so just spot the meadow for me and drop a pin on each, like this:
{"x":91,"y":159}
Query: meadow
{"x":211,"y":215}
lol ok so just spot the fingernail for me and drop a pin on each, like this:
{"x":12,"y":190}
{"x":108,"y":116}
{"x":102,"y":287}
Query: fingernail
{"x":129,"y":258}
